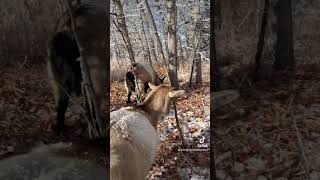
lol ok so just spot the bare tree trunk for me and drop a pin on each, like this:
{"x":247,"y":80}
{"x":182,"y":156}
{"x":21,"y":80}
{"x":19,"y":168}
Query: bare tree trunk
{"x":122,"y":27}
{"x":165,"y":29}
{"x":215,"y":73}
{"x":172,"y":42}
{"x":142,"y":51}
{"x":147,"y":47}
{"x":188,"y":42}
{"x":198,"y":68}
{"x":284,"y":47}
{"x":150,"y":38}
{"x":154,"y":30}
{"x":260,"y":44}
{"x":217,"y":13}
{"x":214,"y":86}
{"x":180,"y":51}
{"x":196,"y":60}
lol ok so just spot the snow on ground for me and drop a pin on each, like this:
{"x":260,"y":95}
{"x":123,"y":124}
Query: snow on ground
{"x":193,"y":114}
{"x":196,"y":132}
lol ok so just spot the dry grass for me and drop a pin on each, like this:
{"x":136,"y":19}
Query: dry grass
{"x":25,"y":27}
{"x":118,"y":69}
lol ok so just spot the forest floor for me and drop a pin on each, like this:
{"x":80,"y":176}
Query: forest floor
{"x":193,"y":113}
{"x":27,"y":113}
{"x":272,"y":131}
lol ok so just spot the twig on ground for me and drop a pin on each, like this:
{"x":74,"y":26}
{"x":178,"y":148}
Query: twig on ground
{"x":300,"y":143}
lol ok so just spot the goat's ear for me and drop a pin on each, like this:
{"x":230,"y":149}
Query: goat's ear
{"x":178,"y":93}
{"x":152,"y":86}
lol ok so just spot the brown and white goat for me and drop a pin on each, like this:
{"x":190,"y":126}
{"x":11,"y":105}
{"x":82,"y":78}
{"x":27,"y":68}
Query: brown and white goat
{"x":144,"y":74}
{"x":133,"y":135}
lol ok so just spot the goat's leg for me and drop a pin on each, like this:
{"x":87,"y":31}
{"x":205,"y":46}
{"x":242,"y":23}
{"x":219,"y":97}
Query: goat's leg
{"x":61,"y":110}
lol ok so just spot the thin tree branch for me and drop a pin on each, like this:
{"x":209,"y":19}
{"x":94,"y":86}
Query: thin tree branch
{"x":88,"y":90}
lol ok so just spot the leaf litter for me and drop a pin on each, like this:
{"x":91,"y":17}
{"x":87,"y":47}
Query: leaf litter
{"x":277,"y":135}
{"x":193,"y":113}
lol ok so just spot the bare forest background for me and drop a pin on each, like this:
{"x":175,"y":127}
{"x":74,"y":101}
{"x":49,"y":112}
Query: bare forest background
{"x":174,"y":37}
{"x":26,"y":28}
{"x":192,"y":37}
{"x":238,"y":26}
{"x":271,"y":131}
{"x":268,"y":50}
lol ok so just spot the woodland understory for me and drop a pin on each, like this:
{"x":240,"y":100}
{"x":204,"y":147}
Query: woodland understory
{"x":272,"y":131}
{"x":28,"y":114}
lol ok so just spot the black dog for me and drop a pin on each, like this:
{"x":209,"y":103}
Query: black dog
{"x":131,"y":85}
{"x":65,"y":74}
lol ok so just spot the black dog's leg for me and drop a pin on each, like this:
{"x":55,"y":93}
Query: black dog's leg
{"x":129,"y":97}
{"x":61,"y":110}
{"x":146,"y":87}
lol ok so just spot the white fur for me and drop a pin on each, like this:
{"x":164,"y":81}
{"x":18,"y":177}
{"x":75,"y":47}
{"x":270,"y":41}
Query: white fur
{"x":133,"y":145}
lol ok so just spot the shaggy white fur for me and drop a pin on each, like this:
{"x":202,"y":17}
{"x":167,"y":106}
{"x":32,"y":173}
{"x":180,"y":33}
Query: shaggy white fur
{"x":133,"y":130}
{"x":133,"y":135}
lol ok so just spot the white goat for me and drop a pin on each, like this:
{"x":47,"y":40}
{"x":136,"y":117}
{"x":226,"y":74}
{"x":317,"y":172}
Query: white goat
{"x":133,"y":135}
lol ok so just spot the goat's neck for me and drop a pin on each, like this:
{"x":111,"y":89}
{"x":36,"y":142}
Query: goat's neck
{"x":153,"y":114}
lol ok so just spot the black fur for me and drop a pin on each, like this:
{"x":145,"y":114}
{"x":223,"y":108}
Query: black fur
{"x":131,"y":86}
{"x":66,"y":70}
{"x":63,"y":54}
